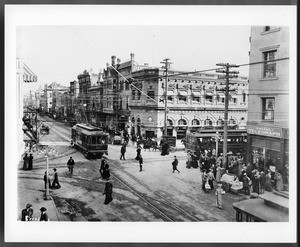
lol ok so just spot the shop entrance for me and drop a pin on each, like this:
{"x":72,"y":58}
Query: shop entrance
{"x":149,"y":134}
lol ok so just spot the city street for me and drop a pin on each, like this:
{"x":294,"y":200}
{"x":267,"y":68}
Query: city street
{"x":155,"y":194}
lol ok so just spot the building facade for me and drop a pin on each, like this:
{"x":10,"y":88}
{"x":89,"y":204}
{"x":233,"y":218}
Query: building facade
{"x":268,"y":111}
{"x":194,"y":101}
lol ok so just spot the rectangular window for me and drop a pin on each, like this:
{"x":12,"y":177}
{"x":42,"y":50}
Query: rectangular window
{"x":269,"y":65}
{"x":196,"y":99}
{"x":133,"y":94}
{"x":151,"y":94}
{"x":268,"y":108}
{"x":209,"y":99}
{"x":127,"y":85}
{"x":182,"y":98}
{"x":139,"y":95}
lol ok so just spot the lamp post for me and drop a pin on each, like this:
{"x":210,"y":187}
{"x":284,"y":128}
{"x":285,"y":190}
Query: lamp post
{"x":47,"y":151}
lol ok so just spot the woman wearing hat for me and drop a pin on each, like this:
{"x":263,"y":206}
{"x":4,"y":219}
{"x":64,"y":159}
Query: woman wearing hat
{"x":44,"y":216}
{"x":27,"y":213}
{"x":219,"y":193}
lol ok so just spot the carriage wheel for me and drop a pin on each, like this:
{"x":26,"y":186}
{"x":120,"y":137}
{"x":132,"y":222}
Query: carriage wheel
{"x":86,"y":154}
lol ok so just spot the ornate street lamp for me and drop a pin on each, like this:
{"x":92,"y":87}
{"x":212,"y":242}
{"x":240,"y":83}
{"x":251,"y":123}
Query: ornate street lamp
{"x":46,"y":151}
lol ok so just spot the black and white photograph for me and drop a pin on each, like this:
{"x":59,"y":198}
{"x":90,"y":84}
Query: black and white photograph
{"x":150,"y":123}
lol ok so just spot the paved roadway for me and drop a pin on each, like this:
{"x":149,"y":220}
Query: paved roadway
{"x":155,"y":194}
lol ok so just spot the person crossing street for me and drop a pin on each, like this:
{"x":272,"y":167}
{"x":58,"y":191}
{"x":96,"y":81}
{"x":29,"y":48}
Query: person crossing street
{"x":71,"y":164}
{"x":175,"y":164}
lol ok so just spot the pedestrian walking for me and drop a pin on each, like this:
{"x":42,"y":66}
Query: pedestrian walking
{"x":26,"y":214}
{"x":219,"y":193}
{"x":45,"y":181}
{"x":30,"y":162}
{"x":108,"y":193}
{"x":26,"y":162}
{"x":175,"y":164}
{"x":44,"y":215}
{"x":70,"y":165}
{"x":101,"y":169}
{"x":106,"y":172}
{"x":262,"y":182}
{"x":138,"y":152}
{"x":141,"y":163}
{"x":123,"y":151}
{"x":55,"y":183}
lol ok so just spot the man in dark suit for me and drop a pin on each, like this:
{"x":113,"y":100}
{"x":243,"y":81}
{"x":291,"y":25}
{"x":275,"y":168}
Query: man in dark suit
{"x":55,"y":180}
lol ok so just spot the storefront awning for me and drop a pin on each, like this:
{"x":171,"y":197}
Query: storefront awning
{"x":28,"y":75}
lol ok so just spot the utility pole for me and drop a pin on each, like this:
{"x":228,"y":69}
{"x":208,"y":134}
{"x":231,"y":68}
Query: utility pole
{"x":228,"y":74}
{"x":167,"y":64}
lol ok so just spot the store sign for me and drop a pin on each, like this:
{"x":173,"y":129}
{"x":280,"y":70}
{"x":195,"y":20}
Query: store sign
{"x":264,"y":131}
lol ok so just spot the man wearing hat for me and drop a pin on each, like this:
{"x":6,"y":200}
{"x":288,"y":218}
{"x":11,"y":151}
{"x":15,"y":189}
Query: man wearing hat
{"x":55,"y":180}
{"x":27,"y":213}
{"x":175,"y":164}
{"x":44,"y":216}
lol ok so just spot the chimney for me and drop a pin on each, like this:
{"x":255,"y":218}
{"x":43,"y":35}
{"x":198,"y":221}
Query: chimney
{"x":131,"y":56}
{"x":113,"y":60}
{"x":118,"y":61}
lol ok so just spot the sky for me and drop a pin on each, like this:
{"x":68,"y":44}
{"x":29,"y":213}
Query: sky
{"x":60,"y":53}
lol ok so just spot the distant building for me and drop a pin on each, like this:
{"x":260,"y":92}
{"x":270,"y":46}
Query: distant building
{"x":268,"y":106}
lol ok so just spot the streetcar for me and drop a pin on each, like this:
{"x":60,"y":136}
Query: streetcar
{"x":213,"y":139}
{"x":92,"y":141}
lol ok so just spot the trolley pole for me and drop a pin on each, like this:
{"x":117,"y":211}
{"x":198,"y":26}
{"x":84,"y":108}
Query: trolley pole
{"x":167,"y":64}
{"x":228,"y":74}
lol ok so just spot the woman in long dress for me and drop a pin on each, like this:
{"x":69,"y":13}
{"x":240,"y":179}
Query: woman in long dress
{"x":279,"y":182}
{"x":108,"y":193}
{"x":219,"y":193}
{"x":255,"y":182}
{"x":218,"y":173}
{"x":268,"y":186}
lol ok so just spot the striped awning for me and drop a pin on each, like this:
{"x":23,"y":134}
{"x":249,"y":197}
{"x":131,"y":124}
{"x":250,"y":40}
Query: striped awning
{"x":28,"y":75}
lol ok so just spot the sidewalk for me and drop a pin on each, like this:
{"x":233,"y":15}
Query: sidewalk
{"x":31,"y":187}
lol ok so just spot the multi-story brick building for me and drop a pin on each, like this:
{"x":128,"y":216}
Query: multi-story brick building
{"x":194,"y":101}
{"x":268,"y":112}
{"x":117,"y":91}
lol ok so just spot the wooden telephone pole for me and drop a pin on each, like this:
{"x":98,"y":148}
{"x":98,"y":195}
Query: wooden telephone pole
{"x":228,"y":75}
{"x":167,"y":64}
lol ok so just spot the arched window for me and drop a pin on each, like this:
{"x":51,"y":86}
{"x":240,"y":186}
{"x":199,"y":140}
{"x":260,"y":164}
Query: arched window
{"x":195,"y":122}
{"x":208,"y":122}
{"x":170,"y":122}
{"x":182,"y":122}
{"x":220,"y":122}
{"x":132,"y":120}
{"x":231,"y":122}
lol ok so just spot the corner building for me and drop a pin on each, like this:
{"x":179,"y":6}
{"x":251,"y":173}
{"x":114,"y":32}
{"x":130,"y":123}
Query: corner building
{"x":194,"y":101}
{"x":268,"y":111}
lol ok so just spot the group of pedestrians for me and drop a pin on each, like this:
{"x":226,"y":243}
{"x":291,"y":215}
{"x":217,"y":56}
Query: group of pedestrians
{"x":27,"y":214}
{"x":138,"y":155}
{"x":55,"y":183}
{"x":258,"y":181}
{"x":28,"y":162}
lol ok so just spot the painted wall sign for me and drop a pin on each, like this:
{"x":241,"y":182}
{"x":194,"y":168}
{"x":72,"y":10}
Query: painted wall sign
{"x":265,"y":131}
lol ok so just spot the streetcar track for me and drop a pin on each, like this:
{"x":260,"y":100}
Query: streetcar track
{"x":166,"y":201}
